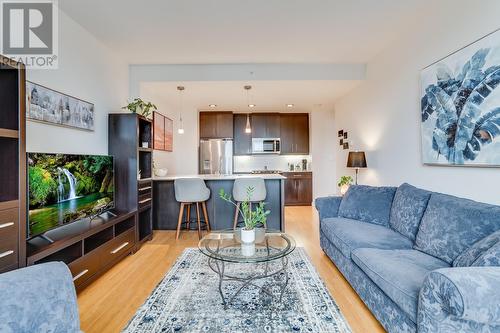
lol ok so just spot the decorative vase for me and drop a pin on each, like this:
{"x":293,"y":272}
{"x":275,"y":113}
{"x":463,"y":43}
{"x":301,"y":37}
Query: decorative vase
{"x":344,"y":188}
{"x":247,"y":250}
{"x":247,"y":236}
{"x":161,"y":172}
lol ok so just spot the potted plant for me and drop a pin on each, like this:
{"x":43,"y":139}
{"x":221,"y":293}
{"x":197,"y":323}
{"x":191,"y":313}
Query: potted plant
{"x":344,"y":183}
{"x":140,"y":107}
{"x":251,"y":218}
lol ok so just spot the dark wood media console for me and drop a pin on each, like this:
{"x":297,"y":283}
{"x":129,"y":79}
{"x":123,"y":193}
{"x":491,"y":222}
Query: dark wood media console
{"x":88,"y":247}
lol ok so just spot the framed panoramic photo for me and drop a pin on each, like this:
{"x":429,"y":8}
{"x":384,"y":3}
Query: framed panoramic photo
{"x":53,"y":107}
{"x":460,"y":106}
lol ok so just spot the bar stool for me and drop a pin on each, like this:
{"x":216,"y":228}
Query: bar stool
{"x":190,"y":191}
{"x":240,"y":194}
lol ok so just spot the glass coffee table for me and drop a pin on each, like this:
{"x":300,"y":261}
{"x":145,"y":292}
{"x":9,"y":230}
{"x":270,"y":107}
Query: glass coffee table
{"x":266,"y":258}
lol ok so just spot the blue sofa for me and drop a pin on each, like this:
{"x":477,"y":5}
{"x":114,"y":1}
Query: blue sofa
{"x":39,"y":298}
{"x":421,"y":261}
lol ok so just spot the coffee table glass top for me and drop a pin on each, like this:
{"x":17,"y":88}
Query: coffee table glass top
{"x":226,"y":245}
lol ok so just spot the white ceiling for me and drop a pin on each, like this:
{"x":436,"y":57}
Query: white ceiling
{"x":267,"y":95}
{"x":242,"y":31}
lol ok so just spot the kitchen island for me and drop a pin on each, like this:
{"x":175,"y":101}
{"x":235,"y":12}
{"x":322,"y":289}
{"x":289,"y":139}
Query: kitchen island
{"x":220,"y":213}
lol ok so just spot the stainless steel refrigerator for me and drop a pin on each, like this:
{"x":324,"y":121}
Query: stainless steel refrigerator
{"x":216,"y":156}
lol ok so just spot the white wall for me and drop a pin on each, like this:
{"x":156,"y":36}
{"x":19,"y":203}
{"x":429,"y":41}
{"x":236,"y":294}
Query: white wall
{"x":87,"y":70}
{"x":183,"y":160}
{"x":323,"y":143}
{"x":382,"y":114}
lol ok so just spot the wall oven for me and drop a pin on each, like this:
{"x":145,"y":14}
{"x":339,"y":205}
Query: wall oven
{"x":266,"y":146}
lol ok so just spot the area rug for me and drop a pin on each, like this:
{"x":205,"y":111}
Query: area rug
{"x":188,"y":300}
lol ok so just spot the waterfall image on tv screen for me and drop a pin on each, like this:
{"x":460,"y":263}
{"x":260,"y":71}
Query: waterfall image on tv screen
{"x":65,"y":188}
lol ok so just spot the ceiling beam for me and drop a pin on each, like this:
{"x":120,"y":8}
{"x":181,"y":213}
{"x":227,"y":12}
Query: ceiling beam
{"x":241,"y":72}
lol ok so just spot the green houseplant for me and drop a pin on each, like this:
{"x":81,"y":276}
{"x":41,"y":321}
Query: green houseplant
{"x":344,"y":183}
{"x":141,"y":107}
{"x":251,"y":218}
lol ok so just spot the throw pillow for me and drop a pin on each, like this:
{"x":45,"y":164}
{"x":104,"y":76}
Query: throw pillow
{"x":468,"y":257}
{"x":407,"y":209}
{"x":451,"y":225}
{"x":368,"y":204}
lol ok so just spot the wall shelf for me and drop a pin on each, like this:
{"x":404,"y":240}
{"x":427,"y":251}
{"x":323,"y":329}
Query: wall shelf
{"x":130,"y":157}
{"x":12,"y":164}
{"x":9,"y":133}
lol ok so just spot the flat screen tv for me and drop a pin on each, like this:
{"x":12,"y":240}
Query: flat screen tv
{"x":66,"y":188}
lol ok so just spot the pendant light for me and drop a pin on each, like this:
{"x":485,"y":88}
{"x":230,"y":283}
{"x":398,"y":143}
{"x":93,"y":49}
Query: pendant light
{"x":248,"y":128}
{"x":181,"y":126}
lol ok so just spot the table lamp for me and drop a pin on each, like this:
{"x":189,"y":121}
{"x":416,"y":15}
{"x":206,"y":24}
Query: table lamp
{"x":356,"y":159}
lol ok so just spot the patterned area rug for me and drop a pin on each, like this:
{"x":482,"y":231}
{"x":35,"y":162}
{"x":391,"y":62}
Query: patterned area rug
{"x":188,"y":300}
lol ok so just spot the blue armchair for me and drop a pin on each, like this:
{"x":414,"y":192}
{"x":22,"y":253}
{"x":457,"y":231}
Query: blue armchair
{"x":39,"y":298}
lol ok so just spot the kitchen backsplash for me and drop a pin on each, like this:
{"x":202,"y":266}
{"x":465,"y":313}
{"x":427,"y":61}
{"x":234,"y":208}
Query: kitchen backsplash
{"x":272,"y":162}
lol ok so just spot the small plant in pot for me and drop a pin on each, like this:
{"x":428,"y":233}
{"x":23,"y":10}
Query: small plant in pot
{"x":251,"y":218}
{"x":140,"y":107}
{"x":344,"y":183}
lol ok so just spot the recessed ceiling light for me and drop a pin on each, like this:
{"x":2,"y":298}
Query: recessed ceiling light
{"x":289,"y":105}
{"x":251,"y":105}
{"x":213,"y":105}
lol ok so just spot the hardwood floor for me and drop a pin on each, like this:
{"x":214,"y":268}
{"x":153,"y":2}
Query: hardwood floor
{"x":109,"y":303}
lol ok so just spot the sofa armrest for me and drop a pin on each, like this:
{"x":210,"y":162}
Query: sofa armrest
{"x":327,"y":206}
{"x":39,"y":298}
{"x":462,"y":298}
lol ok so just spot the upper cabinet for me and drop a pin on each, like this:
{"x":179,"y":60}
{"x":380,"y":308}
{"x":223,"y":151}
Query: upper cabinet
{"x":292,"y":128}
{"x":294,"y":133}
{"x":216,"y":125}
{"x":265,"y":125}
{"x":242,"y":141}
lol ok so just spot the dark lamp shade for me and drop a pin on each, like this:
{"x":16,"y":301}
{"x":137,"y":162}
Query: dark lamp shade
{"x":356,"y":159}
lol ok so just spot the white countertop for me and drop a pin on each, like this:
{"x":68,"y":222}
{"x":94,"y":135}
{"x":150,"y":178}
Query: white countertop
{"x":221,"y":177}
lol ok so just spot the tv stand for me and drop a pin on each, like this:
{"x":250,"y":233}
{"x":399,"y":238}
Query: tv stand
{"x":47,"y":238}
{"x":100,"y":214}
{"x":89,"y":246}
{"x":112,"y":214}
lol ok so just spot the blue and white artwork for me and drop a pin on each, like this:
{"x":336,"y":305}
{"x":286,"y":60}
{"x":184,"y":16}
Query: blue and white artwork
{"x":460,"y":105}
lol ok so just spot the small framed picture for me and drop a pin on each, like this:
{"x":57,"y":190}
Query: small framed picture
{"x":341,"y":133}
{"x":346,"y":145}
{"x":345,"y":135}
{"x":341,"y":142}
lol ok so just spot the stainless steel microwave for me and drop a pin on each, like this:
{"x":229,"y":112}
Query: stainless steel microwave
{"x":266,"y":146}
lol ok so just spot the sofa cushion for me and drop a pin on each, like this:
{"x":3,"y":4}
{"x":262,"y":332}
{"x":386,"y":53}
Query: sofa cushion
{"x":407,"y":210}
{"x":490,"y":257}
{"x":470,"y":255}
{"x":451,"y":225}
{"x":347,"y":235}
{"x":368,"y":204}
{"x":399,"y":273}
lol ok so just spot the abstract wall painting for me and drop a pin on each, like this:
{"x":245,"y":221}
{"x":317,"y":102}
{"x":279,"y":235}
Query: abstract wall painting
{"x":50,"y":106}
{"x":163,"y":132}
{"x":460,"y":106}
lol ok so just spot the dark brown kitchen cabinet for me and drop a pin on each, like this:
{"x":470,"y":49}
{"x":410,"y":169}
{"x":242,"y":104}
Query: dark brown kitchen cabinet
{"x":265,"y":125}
{"x":298,"y":188}
{"x":242,"y":141}
{"x":216,"y":125}
{"x":294,"y":133}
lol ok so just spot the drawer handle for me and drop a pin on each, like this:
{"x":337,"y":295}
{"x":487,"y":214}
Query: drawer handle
{"x":79,"y":275}
{"x":6,"y":253}
{"x":145,"y":200}
{"x":5,"y":225}
{"x":119,"y":248}
{"x":145,"y":188}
